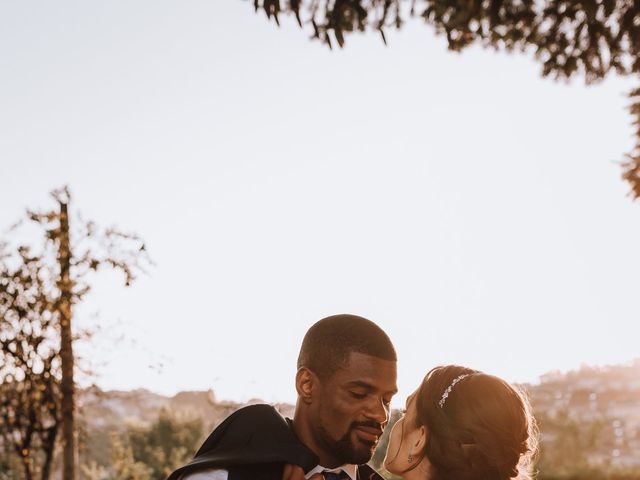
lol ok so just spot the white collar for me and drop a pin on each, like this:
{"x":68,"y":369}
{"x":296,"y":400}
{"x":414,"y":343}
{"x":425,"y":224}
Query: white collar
{"x":348,"y":469}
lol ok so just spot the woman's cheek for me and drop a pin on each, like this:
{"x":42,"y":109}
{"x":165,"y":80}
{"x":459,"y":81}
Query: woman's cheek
{"x":393,"y":447}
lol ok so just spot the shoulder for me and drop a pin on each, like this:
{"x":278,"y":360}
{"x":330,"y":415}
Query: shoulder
{"x":243,"y":425}
{"x":262,"y":415}
{"x":209,"y":474}
{"x":259,"y":412}
{"x":251,"y":436}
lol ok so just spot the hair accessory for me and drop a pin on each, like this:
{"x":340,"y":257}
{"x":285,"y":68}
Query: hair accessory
{"x":446,"y":393}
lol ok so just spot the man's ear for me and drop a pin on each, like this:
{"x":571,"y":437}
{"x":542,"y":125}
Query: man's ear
{"x":306,"y":384}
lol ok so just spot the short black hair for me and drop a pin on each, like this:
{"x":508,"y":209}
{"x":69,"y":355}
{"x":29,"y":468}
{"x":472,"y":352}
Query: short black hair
{"x":327,"y":345}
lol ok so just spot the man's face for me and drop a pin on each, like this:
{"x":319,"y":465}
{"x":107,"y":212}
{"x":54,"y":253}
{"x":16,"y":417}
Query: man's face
{"x":352,"y":408}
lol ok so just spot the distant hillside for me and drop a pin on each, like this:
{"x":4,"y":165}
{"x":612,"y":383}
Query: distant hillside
{"x":118,"y":409}
{"x":589,"y":418}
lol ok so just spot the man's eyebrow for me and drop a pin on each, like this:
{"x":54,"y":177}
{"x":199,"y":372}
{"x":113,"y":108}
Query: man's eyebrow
{"x":360,"y":383}
{"x":368,"y":386}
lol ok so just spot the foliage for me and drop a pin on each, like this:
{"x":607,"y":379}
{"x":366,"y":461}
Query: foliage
{"x":591,"y":474}
{"x":29,"y":363}
{"x":167,"y":444}
{"x":125,"y":466}
{"x":631,"y":167}
{"x":145,"y":452}
{"x":567,"y":453}
{"x":586,"y":37}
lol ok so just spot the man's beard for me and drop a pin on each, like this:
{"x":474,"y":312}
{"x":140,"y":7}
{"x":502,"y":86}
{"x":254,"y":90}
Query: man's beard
{"x":346,"y":450}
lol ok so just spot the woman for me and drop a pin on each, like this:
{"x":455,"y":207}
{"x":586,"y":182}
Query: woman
{"x":461,"y":424}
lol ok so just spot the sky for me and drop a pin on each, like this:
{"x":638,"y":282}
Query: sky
{"x":470,"y":207}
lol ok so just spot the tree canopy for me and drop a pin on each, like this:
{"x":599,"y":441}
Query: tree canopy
{"x":590,"y":38}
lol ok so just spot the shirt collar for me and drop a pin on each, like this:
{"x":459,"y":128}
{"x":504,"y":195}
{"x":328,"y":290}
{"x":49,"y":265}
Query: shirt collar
{"x":348,"y":469}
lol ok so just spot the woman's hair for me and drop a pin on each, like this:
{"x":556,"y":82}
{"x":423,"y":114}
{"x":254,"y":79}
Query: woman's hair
{"x":481,"y":429}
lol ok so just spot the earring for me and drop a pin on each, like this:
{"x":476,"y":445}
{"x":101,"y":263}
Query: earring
{"x":410,"y":459}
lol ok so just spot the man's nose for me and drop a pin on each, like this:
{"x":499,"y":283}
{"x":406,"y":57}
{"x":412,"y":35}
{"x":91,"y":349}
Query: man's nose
{"x":379,"y":412}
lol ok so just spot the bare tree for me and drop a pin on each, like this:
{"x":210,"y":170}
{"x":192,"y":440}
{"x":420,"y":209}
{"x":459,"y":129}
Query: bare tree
{"x":38,"y":289}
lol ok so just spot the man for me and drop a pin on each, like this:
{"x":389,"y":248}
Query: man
{"x":345,"y":381}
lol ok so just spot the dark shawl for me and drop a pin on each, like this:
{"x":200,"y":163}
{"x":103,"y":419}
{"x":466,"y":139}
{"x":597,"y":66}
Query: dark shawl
{"x":254,"y":443}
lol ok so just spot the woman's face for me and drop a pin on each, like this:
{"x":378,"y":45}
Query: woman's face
{"x":404,"y":434}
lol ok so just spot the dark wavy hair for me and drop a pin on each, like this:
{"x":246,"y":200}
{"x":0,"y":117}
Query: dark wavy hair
{"x":484,"y":430}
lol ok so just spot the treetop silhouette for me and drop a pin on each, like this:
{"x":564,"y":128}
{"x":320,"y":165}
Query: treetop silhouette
{"x":590,"y":38}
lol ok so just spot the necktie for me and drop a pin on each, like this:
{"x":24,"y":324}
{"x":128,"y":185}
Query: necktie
{"x":341,"y":475}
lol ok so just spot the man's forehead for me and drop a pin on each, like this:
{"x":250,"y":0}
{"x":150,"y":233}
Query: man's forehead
{"x":367,"y":368}
{"x":365,"y":360}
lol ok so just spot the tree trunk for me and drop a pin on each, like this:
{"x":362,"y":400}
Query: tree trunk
{"x":49,"y":445}
{"x":26,"y":465}
{"x":67,"y":385}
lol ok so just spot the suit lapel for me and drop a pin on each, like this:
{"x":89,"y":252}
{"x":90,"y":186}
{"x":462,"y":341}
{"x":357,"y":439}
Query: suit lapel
{"x":365,"y":472}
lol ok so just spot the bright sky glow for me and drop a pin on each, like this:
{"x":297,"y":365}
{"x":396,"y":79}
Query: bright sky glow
{"x":471,"y":208}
